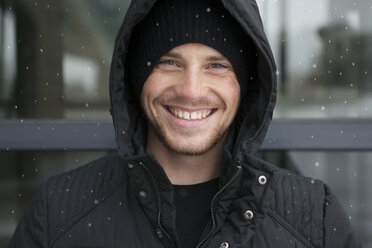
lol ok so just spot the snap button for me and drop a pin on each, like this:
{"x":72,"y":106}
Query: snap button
{"x":248,"y":214}
{"x":262,"y":180}
{"x":158,"y":232}
{"x":142,"y":194}
{"x":224,"y":245}
{"x":130,"y":166}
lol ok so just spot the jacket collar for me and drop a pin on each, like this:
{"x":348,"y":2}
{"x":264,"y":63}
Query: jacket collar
{"x":240,"y":191}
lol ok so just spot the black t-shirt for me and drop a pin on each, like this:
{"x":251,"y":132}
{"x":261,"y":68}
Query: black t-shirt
{"x":193,"y":203}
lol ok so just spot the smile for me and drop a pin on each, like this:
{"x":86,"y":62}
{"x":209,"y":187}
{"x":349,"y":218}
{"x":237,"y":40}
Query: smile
{"x":190,"y":115}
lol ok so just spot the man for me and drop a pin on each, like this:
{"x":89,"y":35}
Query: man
{"x":192,"y":91}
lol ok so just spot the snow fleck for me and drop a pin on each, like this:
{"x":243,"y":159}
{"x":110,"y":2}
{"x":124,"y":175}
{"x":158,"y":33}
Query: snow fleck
{"x":89,"y":224}
{"x":109,"y":218}
{"x":312,"y":181}
{"x":148,"y":63}
{"x":41,"y":50}
{"x":316,"y":164}
{"x":86,"y":105}
{"x":322,"y":108}
{"x":96,"y":201}
{"x":208,"y":9}
{"x":197,"y":16}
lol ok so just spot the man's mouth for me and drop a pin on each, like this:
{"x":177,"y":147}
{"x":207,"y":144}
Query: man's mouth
{"x":190,"y":115}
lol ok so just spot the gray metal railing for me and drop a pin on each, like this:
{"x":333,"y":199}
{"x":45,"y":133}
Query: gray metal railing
{"x":99,"y":135}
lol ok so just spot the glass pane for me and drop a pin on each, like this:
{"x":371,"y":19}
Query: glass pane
{"x":60,"y":70}
{"x":348,"y":175}
{"x":55,"y":57}
{"x":324,"y":57}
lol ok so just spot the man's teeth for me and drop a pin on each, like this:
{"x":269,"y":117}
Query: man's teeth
{"x":197,"y":115}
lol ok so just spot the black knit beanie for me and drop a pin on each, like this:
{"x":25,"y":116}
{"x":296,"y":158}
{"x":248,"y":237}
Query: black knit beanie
{"x":171,"y":23}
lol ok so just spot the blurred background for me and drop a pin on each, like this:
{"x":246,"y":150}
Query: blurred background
{"x":54,"y":65}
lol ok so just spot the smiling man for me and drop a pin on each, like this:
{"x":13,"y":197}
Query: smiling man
{"x":190,"y":100}
{"x":193,"y":88}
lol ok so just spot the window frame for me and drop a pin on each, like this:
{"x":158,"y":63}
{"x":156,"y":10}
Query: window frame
{"x":282,"y":135}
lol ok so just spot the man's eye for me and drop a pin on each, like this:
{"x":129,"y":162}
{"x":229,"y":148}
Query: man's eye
{"x":217,"y":66}
{"x":167,"y":62}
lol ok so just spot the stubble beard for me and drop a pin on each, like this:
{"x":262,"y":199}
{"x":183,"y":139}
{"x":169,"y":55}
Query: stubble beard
{"x":216,"y":136}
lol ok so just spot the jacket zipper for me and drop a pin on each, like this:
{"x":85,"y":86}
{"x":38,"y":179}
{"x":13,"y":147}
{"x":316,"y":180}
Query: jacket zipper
{"x":159,"y":203}
{"x":212,"y":206}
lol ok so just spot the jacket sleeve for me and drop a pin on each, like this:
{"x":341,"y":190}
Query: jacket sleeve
{"x":32,"y":230}
{"x":338,"y":232}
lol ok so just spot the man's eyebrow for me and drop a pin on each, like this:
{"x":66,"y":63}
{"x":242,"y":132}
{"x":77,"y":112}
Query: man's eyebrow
{"x":209,"y":58}
{"x":216,"y":58}
{"x":173,"y":55}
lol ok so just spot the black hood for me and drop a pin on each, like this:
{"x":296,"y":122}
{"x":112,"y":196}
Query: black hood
{"x":255,"y":113}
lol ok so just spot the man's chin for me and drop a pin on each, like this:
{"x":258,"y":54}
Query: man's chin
{"x":189,"y":151}
{"x":192,"y":148}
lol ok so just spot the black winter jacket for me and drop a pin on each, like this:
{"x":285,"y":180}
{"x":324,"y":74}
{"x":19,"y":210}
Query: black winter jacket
{"x":126,"y":199}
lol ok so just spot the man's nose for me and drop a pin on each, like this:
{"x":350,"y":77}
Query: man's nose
{"x":191,"y":85}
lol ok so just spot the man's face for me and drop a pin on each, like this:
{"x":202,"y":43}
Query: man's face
{"x":190,"y":99}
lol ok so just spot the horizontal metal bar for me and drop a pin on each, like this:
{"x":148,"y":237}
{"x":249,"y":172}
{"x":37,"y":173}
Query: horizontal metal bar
{"x":99,"y":135}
